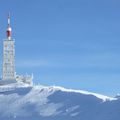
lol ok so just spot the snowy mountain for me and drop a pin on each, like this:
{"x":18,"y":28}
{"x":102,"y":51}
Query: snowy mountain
{"x":23,"y":102}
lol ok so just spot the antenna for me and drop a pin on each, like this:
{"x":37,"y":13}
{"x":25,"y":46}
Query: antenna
{"x":8,"y":28}
{"x":9,"y":19}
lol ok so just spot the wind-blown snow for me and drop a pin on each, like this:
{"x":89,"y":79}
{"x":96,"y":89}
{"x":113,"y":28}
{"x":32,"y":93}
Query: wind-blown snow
{"x":103,"y":97}
{"x":23,"y":102}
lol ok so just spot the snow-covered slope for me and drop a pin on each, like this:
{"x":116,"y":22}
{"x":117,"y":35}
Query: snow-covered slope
{"x":22,"y":102}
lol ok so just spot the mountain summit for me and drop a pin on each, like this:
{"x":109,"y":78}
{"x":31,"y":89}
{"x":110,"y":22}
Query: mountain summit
{"x":25,"y":102}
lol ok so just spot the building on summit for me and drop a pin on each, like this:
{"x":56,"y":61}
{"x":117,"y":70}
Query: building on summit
{"x":8,"y":71}
{"x":8,"y":68}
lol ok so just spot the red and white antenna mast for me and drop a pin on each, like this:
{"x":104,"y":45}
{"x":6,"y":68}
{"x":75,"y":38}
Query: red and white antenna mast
{"x":9,"y":30}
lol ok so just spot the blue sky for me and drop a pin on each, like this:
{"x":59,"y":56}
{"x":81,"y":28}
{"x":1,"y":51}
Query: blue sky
{"x":70,"y":43}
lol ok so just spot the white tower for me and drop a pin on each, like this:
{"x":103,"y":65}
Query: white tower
{"x":8,"y":72}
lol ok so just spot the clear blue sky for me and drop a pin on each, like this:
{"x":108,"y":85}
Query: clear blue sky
{"x":70,"y":43}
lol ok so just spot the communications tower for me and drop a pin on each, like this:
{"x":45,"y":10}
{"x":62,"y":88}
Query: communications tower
{"x":8,"y":70}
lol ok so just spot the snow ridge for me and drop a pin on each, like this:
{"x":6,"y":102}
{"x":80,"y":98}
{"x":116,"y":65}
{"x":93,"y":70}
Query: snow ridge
{"x":103,"y":97}
{"x":22,"y":102}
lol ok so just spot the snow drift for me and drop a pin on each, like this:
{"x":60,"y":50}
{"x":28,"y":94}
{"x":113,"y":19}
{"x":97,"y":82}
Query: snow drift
{"x":23,"y":102}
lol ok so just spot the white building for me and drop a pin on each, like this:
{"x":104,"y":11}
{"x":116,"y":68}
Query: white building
{"x":8,"y":70}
